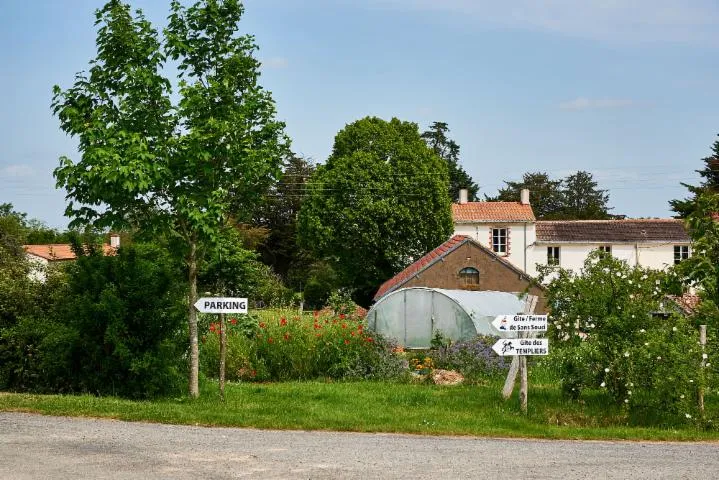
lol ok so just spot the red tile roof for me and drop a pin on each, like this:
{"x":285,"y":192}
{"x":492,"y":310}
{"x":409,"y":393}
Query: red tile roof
{"x":59,"y":251}
{"x":420,"y":265}
{"x":492,"y":212}
{"x":612,"y":231}
{"x":687,"y":302}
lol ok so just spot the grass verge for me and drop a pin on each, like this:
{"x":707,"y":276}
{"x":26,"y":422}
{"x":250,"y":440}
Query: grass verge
{"x":371,"y":407}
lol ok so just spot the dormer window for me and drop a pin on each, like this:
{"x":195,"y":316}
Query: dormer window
{"x":469,"y":276}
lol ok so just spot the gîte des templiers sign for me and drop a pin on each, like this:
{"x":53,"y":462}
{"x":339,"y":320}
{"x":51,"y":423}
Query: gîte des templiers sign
{"x":520,"y":323}
{"x":221,"y":305}
{"x":521,"y":346}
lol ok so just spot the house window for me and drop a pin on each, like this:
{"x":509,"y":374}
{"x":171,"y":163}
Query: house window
{"x":469,"y":276}
{"x":499,"y":240}
{"x":681,"y":252}
{"x":552,"y":255}
{"x":606,"y":249}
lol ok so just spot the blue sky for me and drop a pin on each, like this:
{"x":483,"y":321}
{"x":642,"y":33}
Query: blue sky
{"x":625,"y":90}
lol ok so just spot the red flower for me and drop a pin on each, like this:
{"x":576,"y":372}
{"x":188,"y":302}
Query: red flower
{"x":360,"y":327}
{"x":212,"y":327}
{"x":347,"y":342}
{"x":316,"y":313}
{"x":283,"y":321}
{"x":342,"y":316}
{"x":233,"y":321}
{"x":270,"y":340}
{"x":317,"y":326}
{"x":287,"y":336}
{"x":344,"y":325}
{"x":369,"y":339}
{"x":262,"y":325}
{"x":352,"y":333}
{"x":318,"y":335}
{"x":253,"y":373}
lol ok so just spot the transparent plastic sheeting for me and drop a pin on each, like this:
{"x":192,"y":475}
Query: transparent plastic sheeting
{"x":412,"y":315}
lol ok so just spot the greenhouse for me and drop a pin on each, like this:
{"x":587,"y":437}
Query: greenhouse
{"x":412,"y":316}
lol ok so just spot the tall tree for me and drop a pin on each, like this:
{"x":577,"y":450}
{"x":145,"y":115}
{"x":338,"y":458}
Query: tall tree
{"x":545,"y":194}
{"x":178,"y":169}
{"x":279,"y":215}
{"x":582,"y":199}
{"x":448,"y":150}
{"x":379,"y":203}
{"x":710,"y":183}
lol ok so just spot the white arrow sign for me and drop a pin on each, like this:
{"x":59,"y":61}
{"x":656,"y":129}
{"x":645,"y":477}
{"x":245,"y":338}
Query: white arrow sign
{"x":221,"y":305}
{"x":521,"y":346}
{"x":520,"y":323}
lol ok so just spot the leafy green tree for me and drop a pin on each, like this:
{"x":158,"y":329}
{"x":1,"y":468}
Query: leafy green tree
{"x":545,"y":194}
{"x":448,"y":150}
{"x":379,"y":203}
{"x":582,"y":199}
{"x":15,"y":286}
{"x":158,"y":167}
{"x":279,"y":216}
{"x":701,"y":269}
{"x":710,"y":183}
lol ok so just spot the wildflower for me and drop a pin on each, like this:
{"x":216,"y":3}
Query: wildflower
{"x":606,"y":370}
{"x":233,"y":321}
{"x":369,"y":339}
{"x":262,"y":325}
{"x":253,"y":373}
{"x":283,"y":321}
{"x":646,"y":344}
{"x":705,"y":356}
{"x":631,"y":384}
{"x":691,"y":381}
{"x":316,"y":313}
{"x":344,"y":325}
{"x":687,"y":415}
{"x":629,"y":392}
{"x":270,"y":340}
{"x":286,"y":336}
{"x":642,"y":330}
{"x":347,"y":342}
{"x":559,"y":327}
{"x":659,"y":358}
{"x":708,"y":364}
{"x":342,"y":316}
{"x":681,"y":396}
{"x":603,"y":385}
{"x":626,"y":400}
{"x":630,"y":282}
{"x":318,"y":335}
{"x":626,"y":354}
{"x":674,"y":329}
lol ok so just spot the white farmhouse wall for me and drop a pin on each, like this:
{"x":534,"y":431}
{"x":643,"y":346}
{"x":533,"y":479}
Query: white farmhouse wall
{"x":572,"y":256}
{"x":521,"y":238}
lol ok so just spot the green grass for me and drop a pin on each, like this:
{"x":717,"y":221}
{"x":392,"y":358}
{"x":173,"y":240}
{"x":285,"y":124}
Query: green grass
{"x":371,"y":407}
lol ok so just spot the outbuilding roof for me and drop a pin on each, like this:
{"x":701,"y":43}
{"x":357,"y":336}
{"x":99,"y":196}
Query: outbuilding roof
{"x":612,"y":231}
{"x":59,"y":251}
{"x":473,"y":212}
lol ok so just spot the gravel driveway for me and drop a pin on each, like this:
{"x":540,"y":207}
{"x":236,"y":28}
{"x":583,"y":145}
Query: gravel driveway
{"x":35,"y":446}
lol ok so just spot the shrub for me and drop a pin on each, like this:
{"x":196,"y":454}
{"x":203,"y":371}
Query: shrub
{"x":302,"y":347}
{"x":474,"y":358}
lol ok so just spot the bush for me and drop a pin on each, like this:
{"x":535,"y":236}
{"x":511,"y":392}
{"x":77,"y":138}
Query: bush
{"x":114,"y":326}
{"x":300,"y":348}
{"x":474,"y":358}
{"x":606,"y":333}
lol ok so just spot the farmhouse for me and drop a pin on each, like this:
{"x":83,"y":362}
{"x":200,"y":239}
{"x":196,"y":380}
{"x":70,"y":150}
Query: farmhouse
{"x":510,"y":230}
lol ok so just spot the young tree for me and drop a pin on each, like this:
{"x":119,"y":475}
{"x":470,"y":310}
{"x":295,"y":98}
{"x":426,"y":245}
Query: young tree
{"x":448,"y":150}
{"x":545,"y":194}
{"x":582,"y":200}
{"x":379,"y":203}
{"x":710,"y":183}
{"x":176,"y":169}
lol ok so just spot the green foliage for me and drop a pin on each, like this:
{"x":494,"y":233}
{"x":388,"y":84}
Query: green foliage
{"x":300,"y":348}
{"x":378,"y":203}
{"x":606,"y":333}
{"x":340,"y":301}
{"x":710,"y":185}
{"x":177,"y":169}
{"x":575,"y":197}
{"x":110,"y":326}
{"x":448,"y":150}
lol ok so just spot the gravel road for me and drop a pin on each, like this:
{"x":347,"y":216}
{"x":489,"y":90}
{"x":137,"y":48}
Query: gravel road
{"x":34,"y":446}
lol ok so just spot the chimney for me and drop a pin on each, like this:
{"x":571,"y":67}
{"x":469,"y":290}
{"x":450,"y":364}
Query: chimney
{"x":524,"y":197}
{"x":115,"y":240}
{"x":463,"y":194}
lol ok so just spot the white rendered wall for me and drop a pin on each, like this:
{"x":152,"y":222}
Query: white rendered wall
{"x":518,"y":251}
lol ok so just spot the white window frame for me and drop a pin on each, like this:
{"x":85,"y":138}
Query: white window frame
{"x":681,"y":252}
{"x":499,"y":247}
{"x":553,"y":255}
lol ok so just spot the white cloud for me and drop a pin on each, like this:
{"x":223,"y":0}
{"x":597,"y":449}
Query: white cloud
{"x":15,"y":171}
{"x":582,"y":103}
{"x":621,"y":21}
{"x":275,"y":63}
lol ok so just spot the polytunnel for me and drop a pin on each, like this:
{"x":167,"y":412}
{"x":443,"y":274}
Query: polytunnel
{"x":411,"y":316}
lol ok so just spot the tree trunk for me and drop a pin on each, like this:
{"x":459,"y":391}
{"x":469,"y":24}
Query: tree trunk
{"x":192,"y":321}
